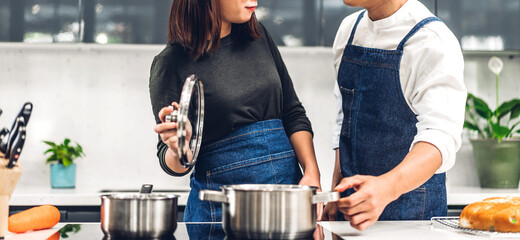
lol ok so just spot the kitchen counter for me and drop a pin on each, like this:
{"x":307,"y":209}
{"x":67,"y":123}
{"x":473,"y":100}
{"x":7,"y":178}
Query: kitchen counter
{"x":461,"y":196}
{"x":457,"y":196}
{"x":406,"y":230}
{"x":402,"y":230}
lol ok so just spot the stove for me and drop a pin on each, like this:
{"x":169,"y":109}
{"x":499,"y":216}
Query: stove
{"x":92,"y":231}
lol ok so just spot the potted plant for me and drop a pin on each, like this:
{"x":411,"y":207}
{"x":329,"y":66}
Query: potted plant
{"x":496,"y":151}
{"x":63,"y":168}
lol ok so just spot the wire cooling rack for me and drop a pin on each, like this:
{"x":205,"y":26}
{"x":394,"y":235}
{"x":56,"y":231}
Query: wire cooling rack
{"x":453,"y":223}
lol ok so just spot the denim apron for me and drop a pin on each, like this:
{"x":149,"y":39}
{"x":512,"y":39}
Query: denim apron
{"x":259,"y":153}
{"x":378,"y":126}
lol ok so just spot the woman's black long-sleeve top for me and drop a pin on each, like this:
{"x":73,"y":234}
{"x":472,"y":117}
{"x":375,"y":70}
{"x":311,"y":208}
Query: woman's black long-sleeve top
{"x":244,"y":82}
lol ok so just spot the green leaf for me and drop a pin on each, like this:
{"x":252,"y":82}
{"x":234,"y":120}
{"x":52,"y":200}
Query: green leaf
{"x":479,"y":105}
{"x":63,"y":153}
{"x":66,"y":161}
{"x":49,"y":150}
{"x":470,"y":126}
{"x":50,"y":143}
{"x":499,"y":132}
{"x":51,"y":160}
{"x":69,"y":228}
{"x":505,"y":108}
{"x":488,"y":132}
{"x":515,"y":111}
{"x":512,"y":129}
{"x":53,"y":157}
{"x":79,"y":149}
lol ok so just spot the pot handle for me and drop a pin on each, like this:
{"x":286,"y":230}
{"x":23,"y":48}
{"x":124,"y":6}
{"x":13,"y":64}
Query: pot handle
{"x":146,"y":189}
{"x":213,"y":196}
{"x":323,"y":197}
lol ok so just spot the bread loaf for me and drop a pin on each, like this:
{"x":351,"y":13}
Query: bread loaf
{"x":501,"y":214}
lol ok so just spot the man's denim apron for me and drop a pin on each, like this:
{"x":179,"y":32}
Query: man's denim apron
{"x":257,"y":153}
{"x":379,"y":127}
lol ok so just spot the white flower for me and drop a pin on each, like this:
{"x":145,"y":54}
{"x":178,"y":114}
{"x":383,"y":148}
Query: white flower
{"x":495,"y":65}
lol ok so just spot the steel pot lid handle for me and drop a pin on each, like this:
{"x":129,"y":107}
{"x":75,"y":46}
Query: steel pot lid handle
{"x":146,"y":189}
{"x":213,"y":196}
{"x":323,"y":197}
{"x":190,"y":119}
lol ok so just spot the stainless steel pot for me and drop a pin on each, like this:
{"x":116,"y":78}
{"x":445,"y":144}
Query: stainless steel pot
{"x":139,"y":215}
{"x":267,"y":211}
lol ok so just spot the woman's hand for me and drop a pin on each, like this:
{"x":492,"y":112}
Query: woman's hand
{"x":310,"y":179}
{"x":330,"y":212}
{"x":313,"y":179}
{"x":364,"y":207}
{"x":168,"y":130}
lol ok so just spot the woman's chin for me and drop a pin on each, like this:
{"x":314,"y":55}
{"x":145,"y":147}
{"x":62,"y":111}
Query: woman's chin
{"x":243,"y":19}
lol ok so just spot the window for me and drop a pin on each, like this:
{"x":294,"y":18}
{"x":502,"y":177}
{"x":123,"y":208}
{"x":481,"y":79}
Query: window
{"x":126,"y":21}
{"x":483,"y":24}
{"x":42,"y":21}
{"x":478,"y":24}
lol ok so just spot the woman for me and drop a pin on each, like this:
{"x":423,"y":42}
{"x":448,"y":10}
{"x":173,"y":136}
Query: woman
{"x":255,"y":128}
{"x":401,"y":93}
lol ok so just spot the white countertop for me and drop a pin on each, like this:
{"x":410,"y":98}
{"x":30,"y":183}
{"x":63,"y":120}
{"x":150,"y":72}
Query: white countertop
{"x":398,"y":230}
{"x":91,"y":197}
{"x":467,"y":195}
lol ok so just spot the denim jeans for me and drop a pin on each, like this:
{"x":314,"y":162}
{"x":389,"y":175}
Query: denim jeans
{"x":259,"y":153}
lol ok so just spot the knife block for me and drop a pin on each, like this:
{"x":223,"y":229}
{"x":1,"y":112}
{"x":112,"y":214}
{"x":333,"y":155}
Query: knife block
{"x":8,"y":179}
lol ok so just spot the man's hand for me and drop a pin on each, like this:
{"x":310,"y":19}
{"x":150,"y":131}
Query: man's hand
{"x":364,"y":207}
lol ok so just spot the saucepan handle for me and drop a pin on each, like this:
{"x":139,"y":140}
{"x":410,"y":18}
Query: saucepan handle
{"x":323,"y":197}
{"x":213,"y":196}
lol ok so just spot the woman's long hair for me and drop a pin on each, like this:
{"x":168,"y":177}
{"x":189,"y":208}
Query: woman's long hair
{"x":196,"y":25}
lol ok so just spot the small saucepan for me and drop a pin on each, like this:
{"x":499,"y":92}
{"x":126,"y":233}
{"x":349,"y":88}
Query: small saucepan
{"x":267,"y":211}
{"x":139,"y":215}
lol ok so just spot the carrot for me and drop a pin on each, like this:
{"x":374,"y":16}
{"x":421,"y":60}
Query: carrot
{"x":55,"y":236}
{"x":36,"y":218}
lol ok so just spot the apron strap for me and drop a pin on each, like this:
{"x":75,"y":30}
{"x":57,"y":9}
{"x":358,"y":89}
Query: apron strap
{"x":354,"y":28}
{"x":415,"y":29}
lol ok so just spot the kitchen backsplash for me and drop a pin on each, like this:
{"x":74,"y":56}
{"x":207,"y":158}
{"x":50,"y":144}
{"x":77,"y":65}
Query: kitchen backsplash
{"x":97,"y":96}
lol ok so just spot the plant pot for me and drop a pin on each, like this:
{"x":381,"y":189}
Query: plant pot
{"x":498,"y":164}
{"x":63,"y":177}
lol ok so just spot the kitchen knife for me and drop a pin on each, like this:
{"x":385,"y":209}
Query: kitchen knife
{"x":25,"y":114}
{"x":3,"y":133}
{"x":13,"y":135}
{"x":4,"y":136}
{"x":16,"y":149}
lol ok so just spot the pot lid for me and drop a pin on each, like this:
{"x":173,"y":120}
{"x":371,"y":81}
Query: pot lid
{"x":190,"y":118}
{"x":144,"y":194}
{"x":139,"y":196}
